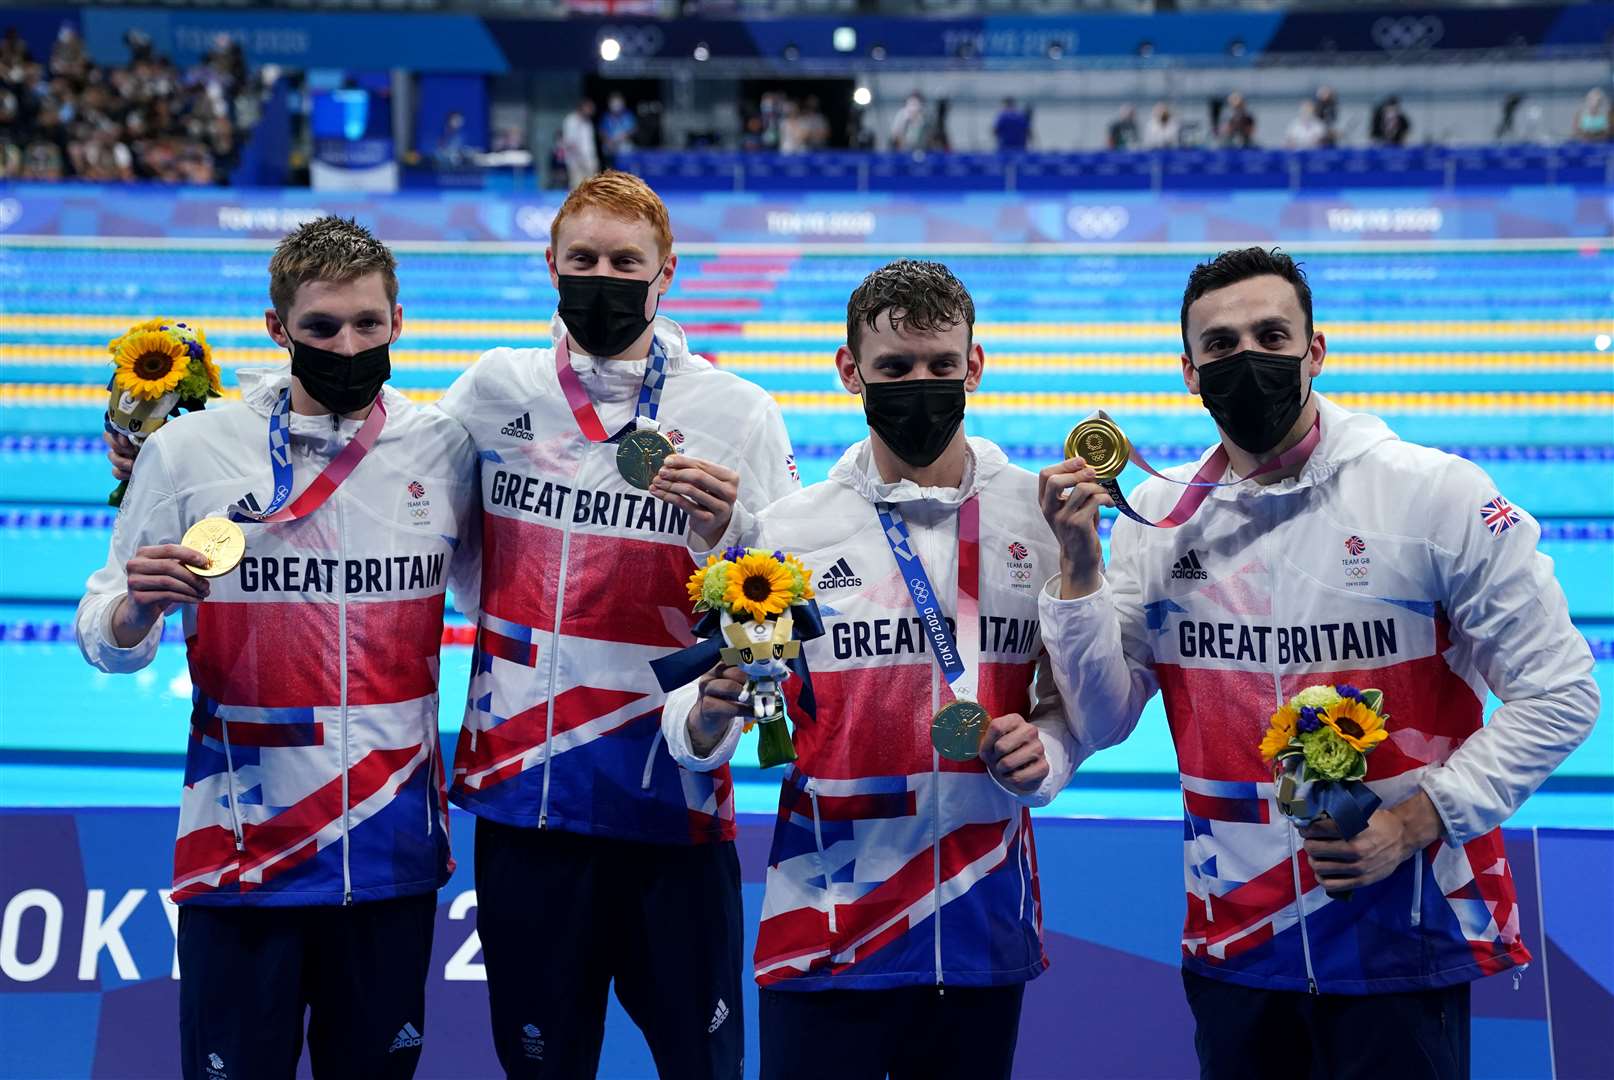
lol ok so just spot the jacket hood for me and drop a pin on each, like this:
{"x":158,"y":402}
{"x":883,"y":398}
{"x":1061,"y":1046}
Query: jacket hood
{"x":982,"y":461}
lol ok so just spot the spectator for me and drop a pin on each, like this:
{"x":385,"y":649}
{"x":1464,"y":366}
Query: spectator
{"x":771,"y":108}
{"x":792,"y":129}
{"x":908,"y":129}
{"x":817,"y":126}
{"x":1591,"y":122}
{"x":1327,"y":106}
{"x":1390,"y":125}
{"x":577,"y":143}
{"x":1163,"y":129}
{"x":1013,"y":127}
{"x":451,"y":149}
{"x":618,"y":127}
{"x":1237,"y":124}
{"x":1123,"y":130}
{"x":751,"y":140}
{"x":1307,"y":130}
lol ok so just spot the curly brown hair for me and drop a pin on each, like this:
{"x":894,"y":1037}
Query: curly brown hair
{"x":920,"y":295}
{"x":328,"y":249}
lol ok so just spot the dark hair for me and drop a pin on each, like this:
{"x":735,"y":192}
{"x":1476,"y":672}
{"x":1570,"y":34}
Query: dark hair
{"x":920,"y":295}
{"x":1232,"y":267}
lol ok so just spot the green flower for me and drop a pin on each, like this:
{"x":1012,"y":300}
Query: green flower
{"x":1315,"y":697}
{"x":1329,"y":757}
{"x":715,"y":585}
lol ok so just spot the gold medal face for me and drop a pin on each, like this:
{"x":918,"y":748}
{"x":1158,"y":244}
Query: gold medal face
{"x":1100,"y":443}
{"x":957,"y":730}
{"x":639,"y":456}
{"x":220,"y":540}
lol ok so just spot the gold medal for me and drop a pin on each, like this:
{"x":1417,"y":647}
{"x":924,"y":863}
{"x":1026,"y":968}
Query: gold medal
{"x":957,"y":730}
{"x":1099,"y":442}
{"x":640,"y":454}
{"x":220,"y":540}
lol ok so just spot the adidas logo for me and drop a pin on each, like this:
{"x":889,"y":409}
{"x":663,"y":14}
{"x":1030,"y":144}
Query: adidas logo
{"x":718,"y":1017}
{"x":1188,"y":567}
{"x":407,"y":1038}
{"x":840,"y":576}
{"x":519,"y":428}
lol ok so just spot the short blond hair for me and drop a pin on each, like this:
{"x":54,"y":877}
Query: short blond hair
{"x":328,"y":249}
{"x":621,"y":195}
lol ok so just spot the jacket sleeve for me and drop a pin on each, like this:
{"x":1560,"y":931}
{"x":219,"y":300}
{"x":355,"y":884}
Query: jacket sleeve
{"x":1053,"y":725}
{"x":675,"y":729}
{"x":1102,"y":661}
{"x":768,"y":473}
{"x":465,"y":569}
{"x":150,"y":514}
{"x":460,"y":400}
{"x":1508,"y":611}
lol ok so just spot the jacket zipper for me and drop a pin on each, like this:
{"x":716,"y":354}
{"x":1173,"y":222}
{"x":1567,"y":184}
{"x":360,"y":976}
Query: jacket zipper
{"x":823,"y":859}
{"x":1417,"y":889}
{"x":1294,"y":849}
{"x":341,"y":636}
{"x":229,"y":786}
{"x":554,"y":662}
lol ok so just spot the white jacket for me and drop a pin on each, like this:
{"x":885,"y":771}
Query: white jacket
{"x":583,"y":585}
{"x":312,"y":774}
{"x":1383,"y":564}
{"x":868,"y":806}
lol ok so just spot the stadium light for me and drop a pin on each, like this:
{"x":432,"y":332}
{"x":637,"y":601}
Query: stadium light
{"x":877,"y":52}
{"x":1602,"y":341}
{"x":610,"y":49}
{"x":702,"y":53}
{"x":844,"y":39}
{"x":862,"y":96}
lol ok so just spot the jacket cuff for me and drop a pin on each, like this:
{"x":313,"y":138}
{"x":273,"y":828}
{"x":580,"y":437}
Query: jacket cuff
{"x":677,"y":735}
{"x":1453,"y":822}
{"x":740,"y":522}
{"x":1058,"y":774}
{"x":109,"y":656}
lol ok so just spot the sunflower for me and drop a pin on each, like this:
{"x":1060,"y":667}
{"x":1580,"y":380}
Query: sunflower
{"x":150,"y":364}
{"x":1356,"y":724}
{"x":758,"y":586}
{"x":1281,"y":733}
{"x":800,"y":577}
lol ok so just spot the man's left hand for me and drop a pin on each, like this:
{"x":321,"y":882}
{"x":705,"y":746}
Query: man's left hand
{"x":1392,"y":836}
{"x":704,"y":488}
{"x":1012,"y":749}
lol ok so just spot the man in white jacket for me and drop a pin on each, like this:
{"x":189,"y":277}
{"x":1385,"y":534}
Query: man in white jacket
{"x":595,"y":852}
{"x":1367,"y":562}
{"x":902,"y":892}
{"x":313,"y":833}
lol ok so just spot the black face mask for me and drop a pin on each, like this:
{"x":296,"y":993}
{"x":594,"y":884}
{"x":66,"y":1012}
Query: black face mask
{"x":1254,"y":397}
{"x":916,"y":418}
{"x":604,"y":314}
{"x":343,"y":384}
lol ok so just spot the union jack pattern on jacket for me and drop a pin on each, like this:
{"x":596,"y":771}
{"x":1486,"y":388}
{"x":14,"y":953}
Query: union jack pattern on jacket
{"x":312,"y":773}
{"x":583,"y":585}
{"x":1372,"y":568}
{"x":891,"y":866}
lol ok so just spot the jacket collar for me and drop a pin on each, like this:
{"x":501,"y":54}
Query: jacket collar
{"x":982,"y":461}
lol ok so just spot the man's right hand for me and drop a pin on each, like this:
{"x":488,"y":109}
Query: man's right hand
{"x":713,"y":715}
{"x":1071,"y":495}
{"x":121,"y":451}
{"x":159,"y":578}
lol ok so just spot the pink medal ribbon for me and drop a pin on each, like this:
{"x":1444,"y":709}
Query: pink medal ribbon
{"x":1196,"y":490}
{"x":325,"y":484}
{"x":577,"y":399}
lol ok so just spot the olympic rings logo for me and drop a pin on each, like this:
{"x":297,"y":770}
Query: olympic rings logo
{"x":1408,"y":32}
{"x":921,"y":592}
{"x":635,"y":40}
{"x":1097,"y":222}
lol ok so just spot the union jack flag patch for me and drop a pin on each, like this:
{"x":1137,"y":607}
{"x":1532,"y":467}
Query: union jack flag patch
{"x":1499,"y":515}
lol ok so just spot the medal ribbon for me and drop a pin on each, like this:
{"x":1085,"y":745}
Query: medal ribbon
{"x":588,"y":421}
{"x":326,"y":483}
{"x":1197,"y":490}
{"x":959,"y":658}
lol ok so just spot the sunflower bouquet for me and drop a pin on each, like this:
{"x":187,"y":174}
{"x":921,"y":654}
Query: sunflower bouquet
{"x":161,"y":366}
{"x":1318,"y":743}
{"x":753,"y":592}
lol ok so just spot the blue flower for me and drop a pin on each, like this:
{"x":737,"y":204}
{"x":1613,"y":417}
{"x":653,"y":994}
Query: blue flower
{"x":195,"y":348}
{"x":734,"y":554}
{"x":1310,"y":720}
{"x":1346,"y":690}
{"x":779,"y":556}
